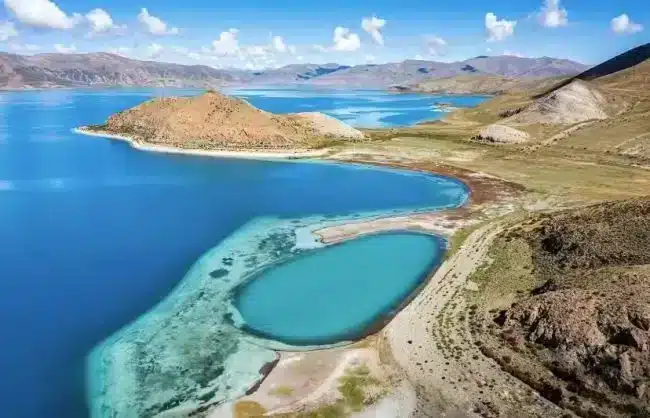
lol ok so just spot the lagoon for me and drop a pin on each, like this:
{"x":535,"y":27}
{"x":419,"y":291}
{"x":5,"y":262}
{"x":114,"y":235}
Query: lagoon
{"x":95,"y":234}
{"x":335,"y":294}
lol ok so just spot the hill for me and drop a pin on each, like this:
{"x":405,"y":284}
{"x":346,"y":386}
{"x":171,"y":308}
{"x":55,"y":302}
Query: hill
{"x":577,"y":327}
{"x":213,"y":121}
{"x":603,"y":109}
{"x":103,"y":69}
{"x":478,"y":84}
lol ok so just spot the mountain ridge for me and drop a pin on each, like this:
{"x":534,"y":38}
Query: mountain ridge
{"x":52,"y":70}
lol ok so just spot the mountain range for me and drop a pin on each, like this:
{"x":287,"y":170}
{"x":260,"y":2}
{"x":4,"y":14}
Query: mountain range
{"x":104,"y":69}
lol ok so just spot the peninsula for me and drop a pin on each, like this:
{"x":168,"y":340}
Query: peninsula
{"x":213,"y":122}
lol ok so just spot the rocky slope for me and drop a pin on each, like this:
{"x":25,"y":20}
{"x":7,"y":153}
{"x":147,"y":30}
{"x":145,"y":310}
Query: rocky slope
{"x":103,"y":69}
{"x":576,"y":320}
{"x":213,"y":121}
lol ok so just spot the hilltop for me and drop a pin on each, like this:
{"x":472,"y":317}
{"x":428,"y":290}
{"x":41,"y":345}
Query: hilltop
{"x":104,"y":69}
{"x":478,"y":84}
{"x":213,"y":121}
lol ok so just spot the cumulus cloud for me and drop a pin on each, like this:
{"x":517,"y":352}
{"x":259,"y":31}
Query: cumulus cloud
{"x":101,"y":22}
{"x":278,"y":44}
{"x":369,"y":58}
{"x":155,"y":25}
{"x":498,"y":30}
{"x":553,"y":15}
{"x":154,"y":50}
{"x":63,"y":49}
{"x":41,"y":14}
{"x":373,"y":26}
{"x":623,"y":25}
{"x":319,"y":48}
{"x":227,"y":44}
{"x":7,"y":30}
{"x":345,"y":40}
{"x":434,"y":44}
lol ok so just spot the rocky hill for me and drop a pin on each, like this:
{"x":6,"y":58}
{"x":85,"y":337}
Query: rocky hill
{"x":103,"y":69}
{"x":580,"y":332}
{"x":213,"y":121}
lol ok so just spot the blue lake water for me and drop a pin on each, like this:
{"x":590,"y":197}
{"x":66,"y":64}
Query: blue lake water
{"x":94,"y":234}
{"x":344,"y":289}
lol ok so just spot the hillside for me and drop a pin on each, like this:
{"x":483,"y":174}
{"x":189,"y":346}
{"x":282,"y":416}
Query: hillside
{"x":103,"y":69}
{"x":569,"y":294}
{"x":604,"y":109}
{"x":478,"y":84}
{"x":213,"y":121}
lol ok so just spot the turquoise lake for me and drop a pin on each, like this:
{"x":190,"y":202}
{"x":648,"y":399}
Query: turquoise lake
{"x":344,"y":289}
{"x":119,"y":267}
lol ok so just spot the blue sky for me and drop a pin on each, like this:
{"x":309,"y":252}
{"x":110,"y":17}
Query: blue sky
{"x":257,"y":33}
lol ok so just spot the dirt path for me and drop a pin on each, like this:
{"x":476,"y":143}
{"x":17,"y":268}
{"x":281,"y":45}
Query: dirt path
{"x":430,"y":340}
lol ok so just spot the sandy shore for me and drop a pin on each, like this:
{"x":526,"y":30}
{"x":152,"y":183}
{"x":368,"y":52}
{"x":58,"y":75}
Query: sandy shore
{"x":245,"y":154}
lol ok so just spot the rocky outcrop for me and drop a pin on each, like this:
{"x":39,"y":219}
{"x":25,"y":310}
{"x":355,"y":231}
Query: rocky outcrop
{"x":502,"y":134}
{"x":215,"y":121}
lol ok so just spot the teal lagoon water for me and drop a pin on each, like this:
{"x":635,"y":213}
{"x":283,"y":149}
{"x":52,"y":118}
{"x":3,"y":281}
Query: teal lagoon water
{"x":337,"y":293}
{"x":95,"y":234}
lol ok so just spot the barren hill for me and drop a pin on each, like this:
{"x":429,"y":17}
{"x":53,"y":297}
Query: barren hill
{"x":215,"y":121}
{"x":606,"y":108}
{"x":580,"y":333}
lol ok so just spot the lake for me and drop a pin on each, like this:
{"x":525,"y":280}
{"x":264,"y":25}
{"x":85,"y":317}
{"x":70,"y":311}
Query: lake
{"x":95,"y":234}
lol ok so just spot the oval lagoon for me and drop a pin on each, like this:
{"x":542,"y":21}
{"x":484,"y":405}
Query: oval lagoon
{"x":337,"y":293}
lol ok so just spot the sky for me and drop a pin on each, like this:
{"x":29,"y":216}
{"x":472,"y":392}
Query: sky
{"x":255,"y":34}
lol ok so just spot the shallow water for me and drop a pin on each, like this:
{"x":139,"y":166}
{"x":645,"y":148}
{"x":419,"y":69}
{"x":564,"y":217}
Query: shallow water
{"x":336,"y":294}
{"x":95,"y":233}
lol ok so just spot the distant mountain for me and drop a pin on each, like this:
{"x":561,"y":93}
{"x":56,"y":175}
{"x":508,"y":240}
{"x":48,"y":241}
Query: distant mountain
{"x":104,"y":69}
{"x":414,"y":71}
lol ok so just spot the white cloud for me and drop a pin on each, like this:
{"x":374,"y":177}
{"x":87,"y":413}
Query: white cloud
{"x":344,"y":40}
{"x":553,"y":15}
{"x":278,"y":44}
{"x":373,"y":26}
{"x":120,"y":50}
{"x":369,"y":58}
{"x":155,"y":25}
{"x":101,"y":22}
{"x":319,"y":48}
{"x":256,"y":51}
{"x":227,"y":44}
{"x":7,"y":30}
{"x":624,"y":25}
{"x":418,"y":57}
{"x":513,"y":54}
{"x":41,"y":14}
{"x":24,"y":47}
{"x":63,"y":49}
{"x":434,"y":44}
{"x":498,"y":30}
{"x":154,"y":50}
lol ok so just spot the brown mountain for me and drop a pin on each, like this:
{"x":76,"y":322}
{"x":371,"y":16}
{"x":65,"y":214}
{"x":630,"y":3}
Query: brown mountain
{"x":213,"y":121}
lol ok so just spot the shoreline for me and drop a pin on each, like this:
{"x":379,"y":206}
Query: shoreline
{"x":441,"y":223}
{"x":244,"y":154}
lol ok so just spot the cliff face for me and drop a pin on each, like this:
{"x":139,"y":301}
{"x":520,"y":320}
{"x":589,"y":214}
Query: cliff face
{"x":216,"y":121}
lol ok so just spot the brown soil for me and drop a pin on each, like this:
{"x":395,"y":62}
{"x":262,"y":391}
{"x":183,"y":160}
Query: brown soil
{"x":580,"y":334}
{"x":216,"y":121}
